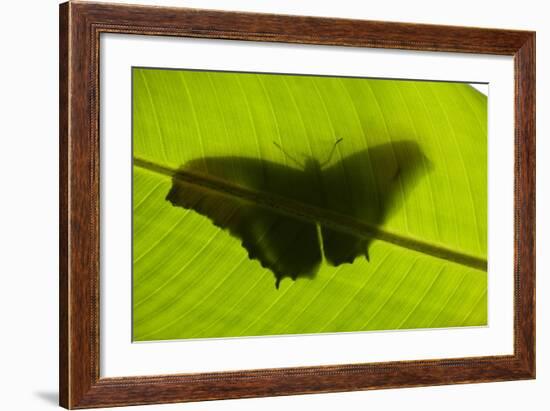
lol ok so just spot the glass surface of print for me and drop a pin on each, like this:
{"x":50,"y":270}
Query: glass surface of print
{"x":268,"y":204}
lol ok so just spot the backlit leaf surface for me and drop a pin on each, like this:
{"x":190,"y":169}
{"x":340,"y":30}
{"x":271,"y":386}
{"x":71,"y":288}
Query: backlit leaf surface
{"x":427,"y":260}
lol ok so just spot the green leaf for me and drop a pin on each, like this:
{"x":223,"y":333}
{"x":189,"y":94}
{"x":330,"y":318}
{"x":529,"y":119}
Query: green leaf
{"x":409,"y":175}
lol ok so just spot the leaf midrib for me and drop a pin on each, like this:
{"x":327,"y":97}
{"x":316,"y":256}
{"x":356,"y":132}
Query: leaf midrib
{"x":315,"y":214}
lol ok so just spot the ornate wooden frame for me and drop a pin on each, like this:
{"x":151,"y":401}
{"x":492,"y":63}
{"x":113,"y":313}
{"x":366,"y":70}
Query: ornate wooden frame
{"x":80,"y":27}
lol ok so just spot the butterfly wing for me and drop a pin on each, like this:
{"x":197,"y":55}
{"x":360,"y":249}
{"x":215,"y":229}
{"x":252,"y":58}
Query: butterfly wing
{"x":259,"y":176}
{"x":368,"y":185}
{"x":288,"y":246}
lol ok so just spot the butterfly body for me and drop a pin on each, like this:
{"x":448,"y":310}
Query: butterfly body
{"x":312,"y":167}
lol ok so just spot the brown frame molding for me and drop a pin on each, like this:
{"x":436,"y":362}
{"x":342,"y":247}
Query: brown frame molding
{"x":80,"y":27}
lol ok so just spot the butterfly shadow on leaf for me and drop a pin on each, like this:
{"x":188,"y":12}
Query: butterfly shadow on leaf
{"x":366,"y":186}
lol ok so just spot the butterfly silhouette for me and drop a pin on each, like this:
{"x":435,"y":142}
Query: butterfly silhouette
{"x":366,"y":186}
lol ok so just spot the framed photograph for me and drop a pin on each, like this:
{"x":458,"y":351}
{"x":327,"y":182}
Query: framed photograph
{"x":258,"y":205}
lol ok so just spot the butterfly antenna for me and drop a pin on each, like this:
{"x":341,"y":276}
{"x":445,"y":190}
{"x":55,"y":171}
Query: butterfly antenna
{"x":288,"y":155}
{"x":332,"y":152}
